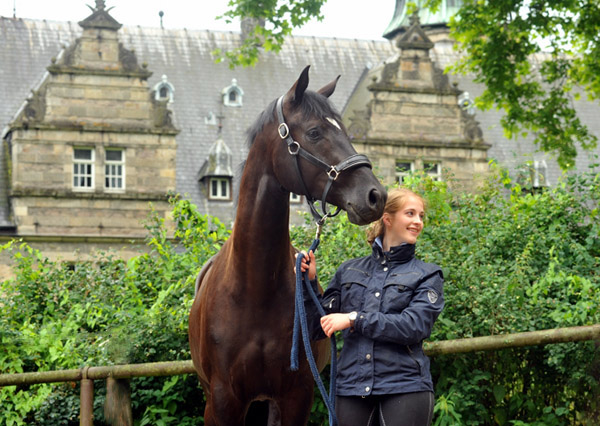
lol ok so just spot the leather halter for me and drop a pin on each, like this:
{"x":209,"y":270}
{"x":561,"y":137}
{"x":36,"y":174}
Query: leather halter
{"x":333,"y":171}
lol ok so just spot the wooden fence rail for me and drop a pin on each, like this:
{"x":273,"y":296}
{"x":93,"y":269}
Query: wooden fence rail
{"x":87,"y":375}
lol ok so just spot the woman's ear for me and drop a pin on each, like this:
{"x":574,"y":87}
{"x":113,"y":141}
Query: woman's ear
{"x":387,"y":220}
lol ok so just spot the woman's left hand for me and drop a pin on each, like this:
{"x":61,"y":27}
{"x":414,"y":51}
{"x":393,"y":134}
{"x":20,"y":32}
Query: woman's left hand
{"x":334,"y":322}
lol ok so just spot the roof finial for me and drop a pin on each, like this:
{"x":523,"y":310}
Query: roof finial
{"x":100,"y":5}
{"x":414,"y":18}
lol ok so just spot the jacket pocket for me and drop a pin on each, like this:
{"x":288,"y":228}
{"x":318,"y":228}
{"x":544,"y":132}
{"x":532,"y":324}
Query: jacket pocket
{"x":397,"y":293}
{"x":354,"y":283}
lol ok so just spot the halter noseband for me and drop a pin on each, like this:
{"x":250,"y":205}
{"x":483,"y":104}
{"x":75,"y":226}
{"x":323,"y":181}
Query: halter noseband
{"x":333,"y":171}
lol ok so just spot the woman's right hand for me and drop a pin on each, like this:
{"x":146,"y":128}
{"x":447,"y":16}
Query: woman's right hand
{"x":306,"y":266}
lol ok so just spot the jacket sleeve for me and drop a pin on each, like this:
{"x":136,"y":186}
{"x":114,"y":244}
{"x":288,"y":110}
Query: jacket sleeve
{"x":330,"y":301}
{"x":414,"y":323}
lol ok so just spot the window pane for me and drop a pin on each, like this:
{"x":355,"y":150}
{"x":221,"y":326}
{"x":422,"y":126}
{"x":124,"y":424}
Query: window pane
{"x":214,"y":188}
{"x":430,"y":167}
{"x":223,"y":188}
{"x":83,"y":154}
{"x":402,"y":166}
{"x":232,"y":96}
{"x":113,"y":155}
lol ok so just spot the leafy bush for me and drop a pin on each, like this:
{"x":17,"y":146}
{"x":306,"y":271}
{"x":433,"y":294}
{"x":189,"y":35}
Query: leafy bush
{"x":514,"y":260}
{"x":106,"y":311}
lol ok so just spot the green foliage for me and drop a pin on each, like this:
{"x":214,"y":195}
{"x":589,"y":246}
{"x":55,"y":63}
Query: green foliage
{"x":106,"y":311}
{"x":517,"y":262}
{"x":280,"y":18}
{"x":514,"y":260}
{"x":500,"y":39}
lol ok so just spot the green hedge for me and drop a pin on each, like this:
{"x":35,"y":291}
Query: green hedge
{"x":514,"y":260}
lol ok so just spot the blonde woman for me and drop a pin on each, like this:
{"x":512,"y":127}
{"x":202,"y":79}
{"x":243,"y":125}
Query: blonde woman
{"x":385,"y":304}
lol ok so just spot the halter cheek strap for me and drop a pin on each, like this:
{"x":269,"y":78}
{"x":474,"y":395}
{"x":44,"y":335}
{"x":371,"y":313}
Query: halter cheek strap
{"x":333,"y":171}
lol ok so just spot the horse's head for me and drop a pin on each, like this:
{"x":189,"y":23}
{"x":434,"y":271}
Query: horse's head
{"x":315,"y":157}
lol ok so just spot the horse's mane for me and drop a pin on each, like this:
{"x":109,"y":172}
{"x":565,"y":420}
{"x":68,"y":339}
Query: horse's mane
{"x":312,"y":104}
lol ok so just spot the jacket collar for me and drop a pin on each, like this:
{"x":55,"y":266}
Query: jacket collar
{"x":398,"y":254}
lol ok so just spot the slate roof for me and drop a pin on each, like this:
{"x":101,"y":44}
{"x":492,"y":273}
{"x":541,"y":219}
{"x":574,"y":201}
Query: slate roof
{"x":185,"y":57}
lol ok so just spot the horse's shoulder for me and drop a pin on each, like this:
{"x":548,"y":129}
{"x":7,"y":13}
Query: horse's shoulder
{"x":205,"y":268}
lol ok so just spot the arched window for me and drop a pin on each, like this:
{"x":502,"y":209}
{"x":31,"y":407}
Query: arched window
{"x":164,"y":90}
{"x":232,"y":95}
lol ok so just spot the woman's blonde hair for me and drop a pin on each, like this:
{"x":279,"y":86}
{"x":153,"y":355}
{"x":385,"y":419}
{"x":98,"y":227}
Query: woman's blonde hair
{"x":395,"y":201}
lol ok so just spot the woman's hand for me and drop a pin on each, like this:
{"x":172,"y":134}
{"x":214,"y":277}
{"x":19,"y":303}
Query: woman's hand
{"x":335,"y":322}
{"x":305,"y":266}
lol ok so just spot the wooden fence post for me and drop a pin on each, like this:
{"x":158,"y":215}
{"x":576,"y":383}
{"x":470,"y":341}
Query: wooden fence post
{"x":86,"y":399}
{"x":117,"y":407}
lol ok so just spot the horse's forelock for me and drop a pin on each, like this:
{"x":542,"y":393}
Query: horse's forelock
{"x":313,"y":105}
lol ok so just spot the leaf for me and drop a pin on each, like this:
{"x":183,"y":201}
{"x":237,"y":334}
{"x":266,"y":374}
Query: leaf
{"x":499,"y":393}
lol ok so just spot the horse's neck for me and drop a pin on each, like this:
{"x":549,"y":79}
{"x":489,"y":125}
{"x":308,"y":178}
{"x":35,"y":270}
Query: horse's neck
{"x":261,"y":229}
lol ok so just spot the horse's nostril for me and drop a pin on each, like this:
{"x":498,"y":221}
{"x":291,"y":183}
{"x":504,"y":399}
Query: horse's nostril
{"x":374,"y":197}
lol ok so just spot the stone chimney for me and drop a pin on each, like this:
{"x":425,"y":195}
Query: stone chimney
{"x":248,"y":24}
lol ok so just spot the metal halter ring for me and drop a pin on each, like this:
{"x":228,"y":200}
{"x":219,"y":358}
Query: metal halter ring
{"x":286,"y":131}
{"x":333,"y":173}
{"x":297,"y":145}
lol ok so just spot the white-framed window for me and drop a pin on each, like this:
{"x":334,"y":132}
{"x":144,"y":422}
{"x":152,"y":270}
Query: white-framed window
{"x":83,"y":169}
{"x":114,"y":170}
{"x":219,"y":188}
{"x":403,"y":169}
{"x":433,"y":169}
{"x":295,"y":198}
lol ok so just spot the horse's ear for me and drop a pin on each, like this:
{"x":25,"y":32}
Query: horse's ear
{"x":296,"y":93}
{"x":328,"y":89}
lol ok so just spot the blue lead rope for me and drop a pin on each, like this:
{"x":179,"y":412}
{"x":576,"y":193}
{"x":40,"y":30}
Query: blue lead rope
{"x":300,"y":325}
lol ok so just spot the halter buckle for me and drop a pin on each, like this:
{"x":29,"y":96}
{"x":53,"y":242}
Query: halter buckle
{"x":333,"y":173}
{"x":297,"y":145}
{"x":283,"y":130}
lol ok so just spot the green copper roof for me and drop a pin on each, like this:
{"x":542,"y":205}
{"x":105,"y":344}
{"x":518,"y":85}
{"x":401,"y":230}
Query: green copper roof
{"x":400,"y":21}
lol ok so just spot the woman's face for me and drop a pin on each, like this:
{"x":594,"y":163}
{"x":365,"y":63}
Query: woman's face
{"x":406,"y":224}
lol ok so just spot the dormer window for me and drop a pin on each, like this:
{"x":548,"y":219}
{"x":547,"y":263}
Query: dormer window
{"x":216,"y":173}
{"x":164,"y":90}
{"x":232,"y":95}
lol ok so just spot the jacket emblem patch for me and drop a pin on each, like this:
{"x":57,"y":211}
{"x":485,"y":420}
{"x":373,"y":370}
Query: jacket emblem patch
{"x":432,"y":296}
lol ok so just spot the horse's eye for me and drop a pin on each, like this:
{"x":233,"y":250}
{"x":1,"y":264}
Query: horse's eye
{"x":314,"y":134}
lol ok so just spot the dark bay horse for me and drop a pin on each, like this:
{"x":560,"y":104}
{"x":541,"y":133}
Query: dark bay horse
{"x":240,"y":324}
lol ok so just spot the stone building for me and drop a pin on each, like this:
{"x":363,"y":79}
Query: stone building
{"x":412,"y":118}
{"x":99,"y":120}
{"x":89,"y":149}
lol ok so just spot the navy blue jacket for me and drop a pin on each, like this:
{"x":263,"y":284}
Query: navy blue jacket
{"x":398,"y":298}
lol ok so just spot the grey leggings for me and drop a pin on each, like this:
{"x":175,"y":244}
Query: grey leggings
{"x":403,"y":409}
